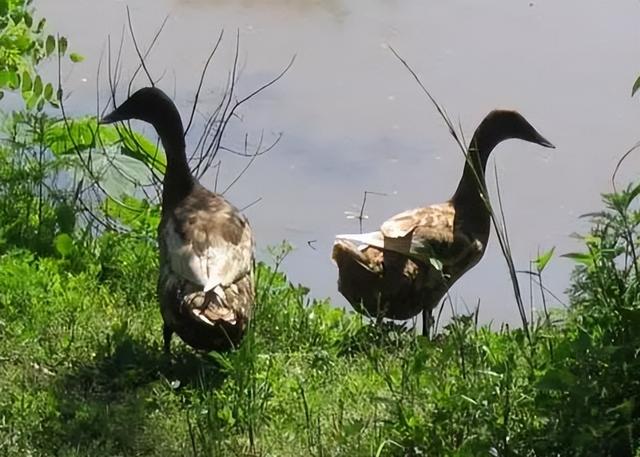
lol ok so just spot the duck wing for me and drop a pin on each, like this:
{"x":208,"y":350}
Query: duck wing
{"x":429,"y":233}
{"x":437,"y":219}
{"x":420,"y":233}
{"x":207,"y":241}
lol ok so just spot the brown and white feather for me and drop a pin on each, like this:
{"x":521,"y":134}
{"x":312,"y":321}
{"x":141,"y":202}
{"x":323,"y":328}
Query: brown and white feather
{"x":206,"y":279}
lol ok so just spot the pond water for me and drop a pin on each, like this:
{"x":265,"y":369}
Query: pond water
{"x":354,"y":120}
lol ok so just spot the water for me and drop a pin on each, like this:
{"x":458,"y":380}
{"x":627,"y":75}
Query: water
{"x":354,"y":120}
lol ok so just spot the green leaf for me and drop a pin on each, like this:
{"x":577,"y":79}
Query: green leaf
{"x":50,"y":44}
{"x":636,"y":86}
{"x":48,"y":91}
{"x":62,"y":45}
{"x":4,"y":7}
{"x":580,"y":257}
{"x":132,"y":211}
{"x":40,"y":26}
{"x":469,"y":399}
{"x":119,"y":175}
{"x":5,"y":78}
{"x":543,"y":259}
{"x":75,"y":57}
{"x":14,"y":80}
{"x":32,"y":101}
{"x":63,"y":244}
{"x":135,"y":145}
{"x":59,"y":135}
{"x":139,"y":147}
{"x":28,"y":20}
{"x":27,"y":84}
{"x":37,"y":85}
{"x":632,"y":194}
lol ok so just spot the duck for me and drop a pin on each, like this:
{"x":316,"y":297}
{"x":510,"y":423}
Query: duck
{"x":206,"y":245}
{"x":409,"y":265}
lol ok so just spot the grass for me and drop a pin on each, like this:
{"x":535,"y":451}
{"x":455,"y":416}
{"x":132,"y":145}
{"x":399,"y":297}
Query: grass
{"x":81,"y":371}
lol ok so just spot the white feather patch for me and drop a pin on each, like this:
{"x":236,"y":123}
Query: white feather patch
{"x":370,"y":239}
{"x":220,"y":264}
{"x":378,"y":240}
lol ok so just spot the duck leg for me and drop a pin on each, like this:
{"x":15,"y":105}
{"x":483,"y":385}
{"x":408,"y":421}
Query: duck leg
{"x":166,"y":335}
{"x":379,"y":312}
{"x":427,"y":322}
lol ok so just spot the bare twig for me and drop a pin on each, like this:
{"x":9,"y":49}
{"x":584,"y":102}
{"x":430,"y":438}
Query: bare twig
{"x":439,"y":108}
{"x":146,"y":54}
{"x":114,"y":74}
{"x":224,"y":118}
{"x":245,"y":207}
{"x":361,"y":215}
{"x":205,"y":152}
{"x":202,"y":75}
{"x":619,"y":164}
{"x":135,"y":45}
{"x":215,"y":182}
{"x":535,"y":276}
{"x":242,"y":172}
{"x":503,"y":239}
{"x":229,"y":113}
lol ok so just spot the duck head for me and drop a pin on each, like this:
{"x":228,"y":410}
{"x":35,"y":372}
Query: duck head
{"x":500,"y":125}
{"x":497,"y":126}
{"x":151,"y":105}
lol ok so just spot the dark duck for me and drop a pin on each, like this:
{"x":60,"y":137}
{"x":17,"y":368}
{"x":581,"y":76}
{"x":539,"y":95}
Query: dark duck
{"x":411,"y":262}
{"x":206,"y":280}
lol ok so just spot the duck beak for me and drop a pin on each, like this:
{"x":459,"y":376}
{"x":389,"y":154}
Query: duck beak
{"x":110,"y":118}
{"x":542,"y":141}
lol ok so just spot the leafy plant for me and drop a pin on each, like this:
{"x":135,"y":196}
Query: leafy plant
{"x":23,"y":44}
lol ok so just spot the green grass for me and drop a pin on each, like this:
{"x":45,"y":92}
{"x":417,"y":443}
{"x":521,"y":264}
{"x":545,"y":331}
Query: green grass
{"x":81,"y":372}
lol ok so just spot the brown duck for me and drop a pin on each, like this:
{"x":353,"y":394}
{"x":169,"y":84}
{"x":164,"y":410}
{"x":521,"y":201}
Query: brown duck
{"x":410,"y":263}
{"x":205,"y":285}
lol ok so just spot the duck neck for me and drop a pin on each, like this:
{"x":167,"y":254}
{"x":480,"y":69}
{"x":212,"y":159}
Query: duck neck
{"x":472,"y":185}
{"x":178,"y":180}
